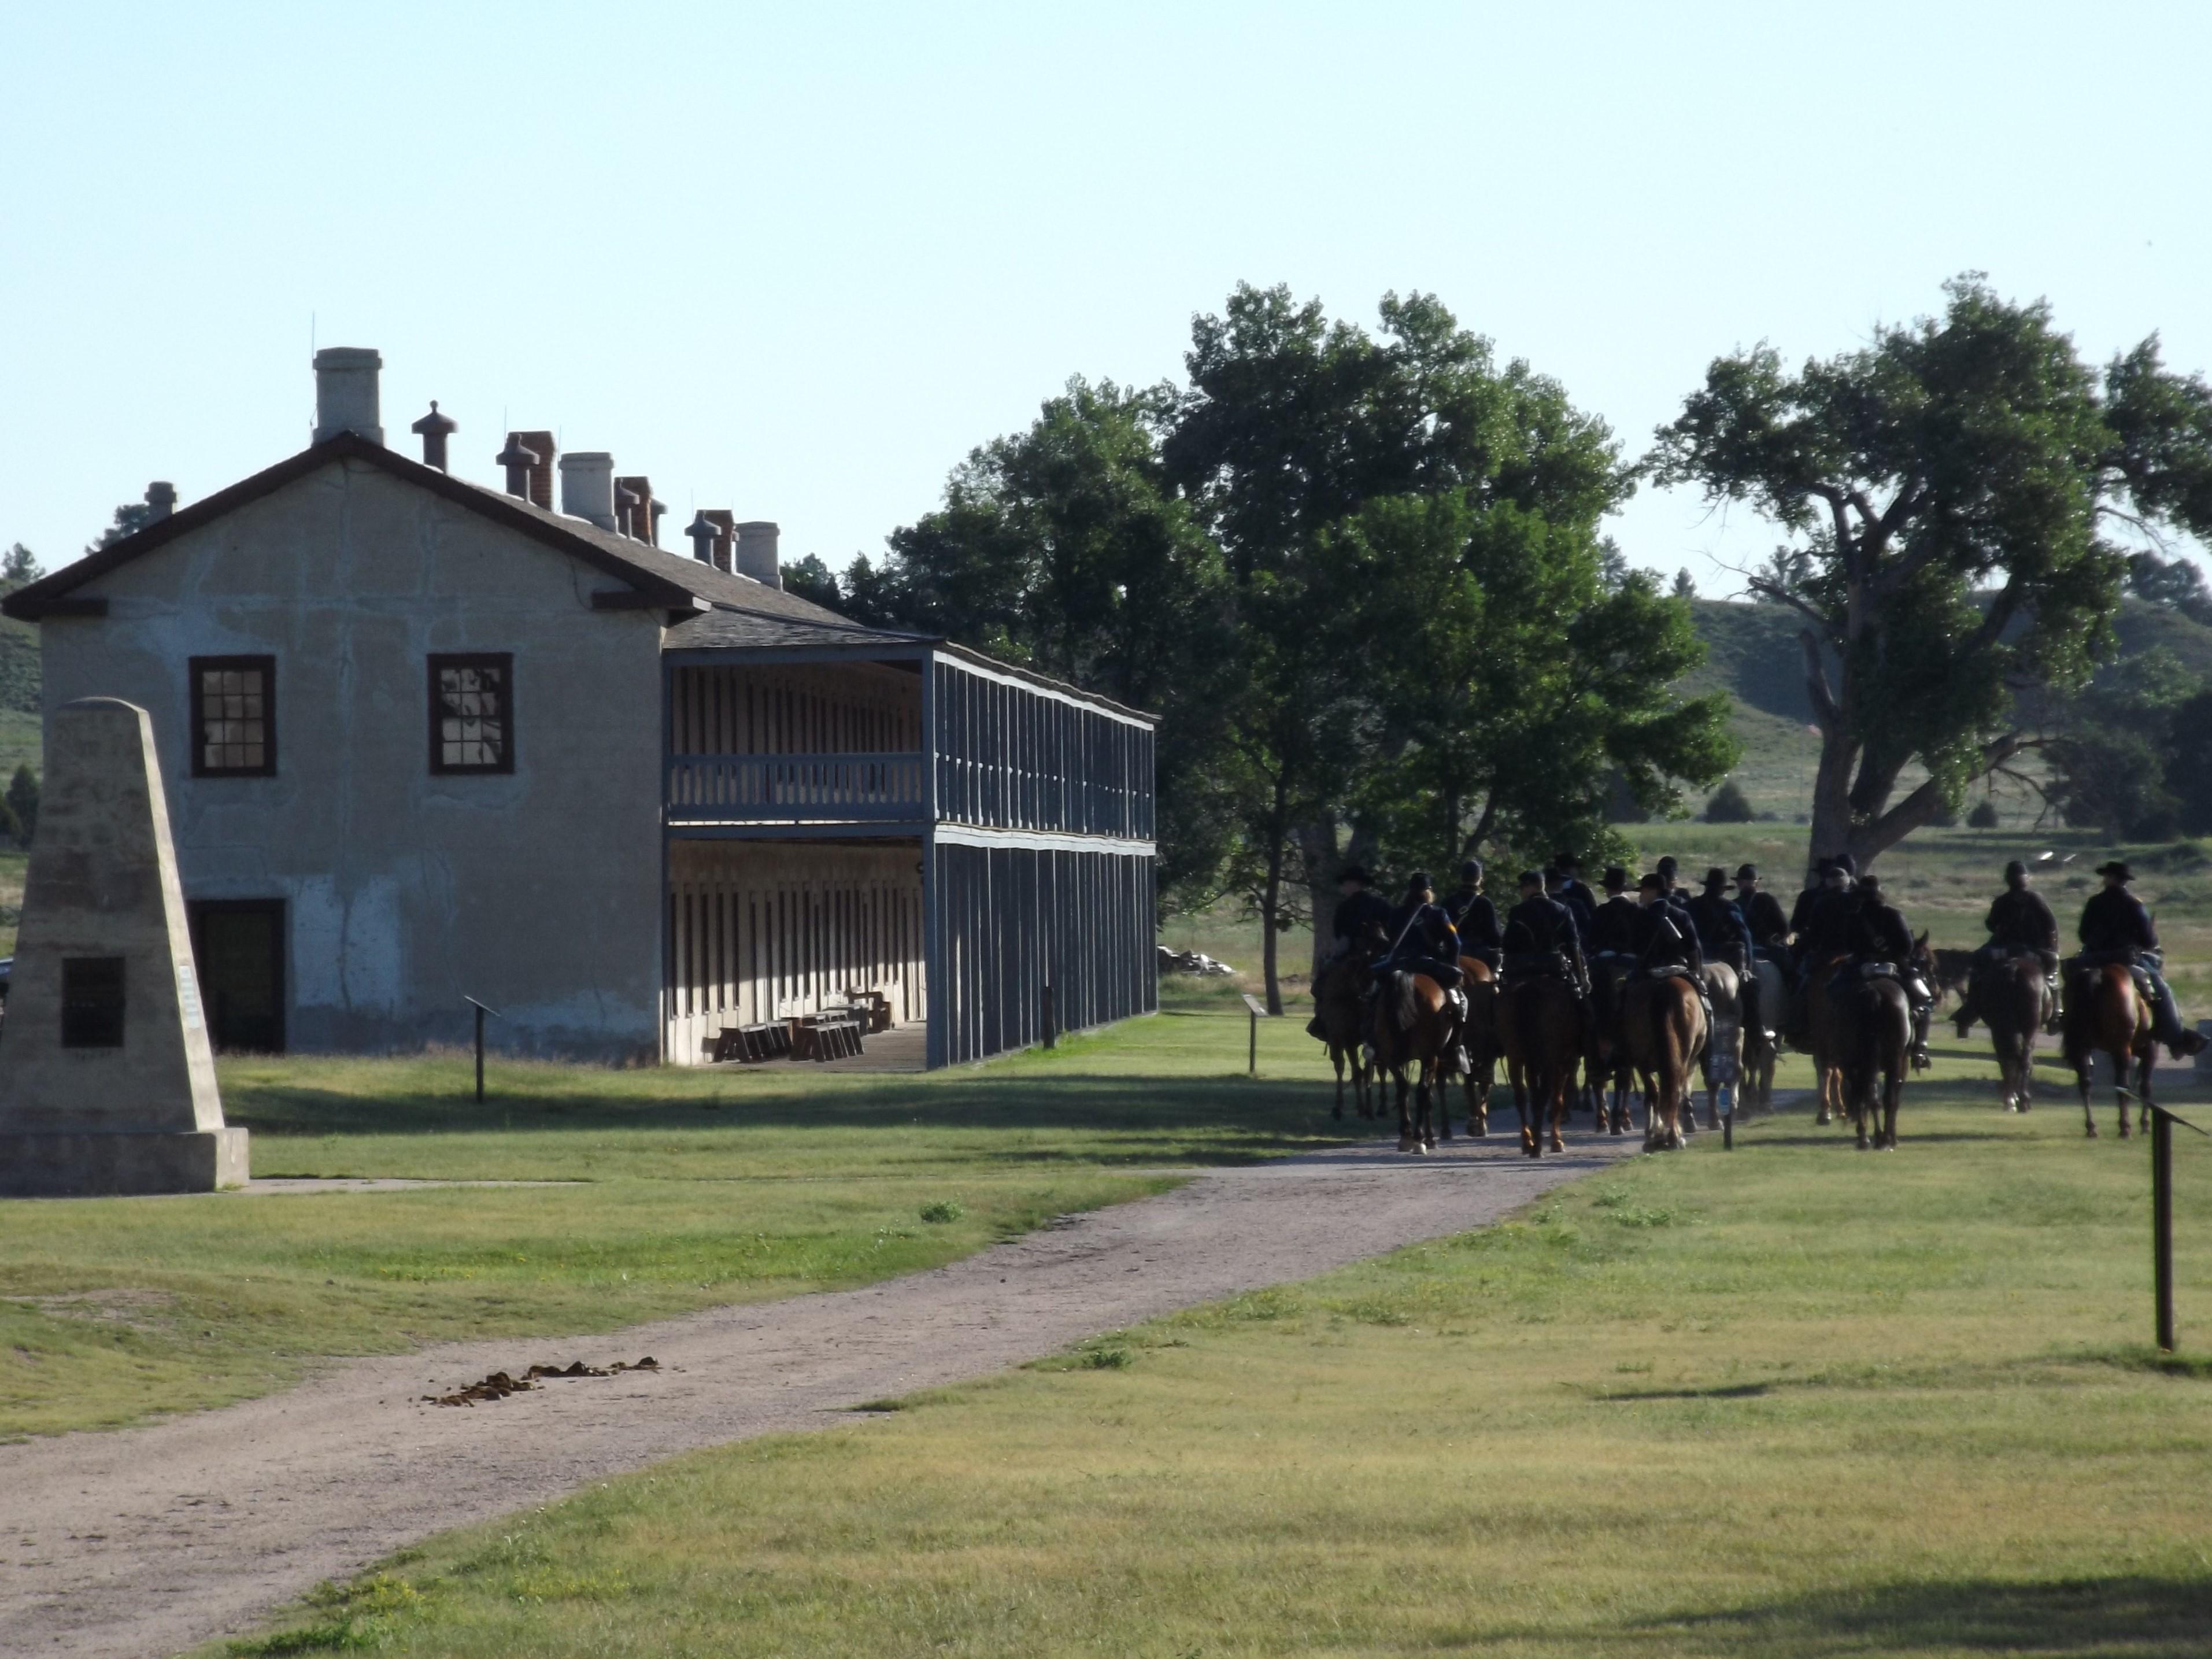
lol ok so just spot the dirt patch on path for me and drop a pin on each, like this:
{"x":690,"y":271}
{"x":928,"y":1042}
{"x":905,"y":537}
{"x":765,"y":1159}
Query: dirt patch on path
{"x":147,"y":1541}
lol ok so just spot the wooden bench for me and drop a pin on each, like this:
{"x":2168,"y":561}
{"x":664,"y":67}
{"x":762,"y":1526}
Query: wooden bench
{"x":753,"y":1043}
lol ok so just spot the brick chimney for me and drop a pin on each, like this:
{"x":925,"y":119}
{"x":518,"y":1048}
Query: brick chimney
{"x":726,"y":535}
{"x":757,"y":556}
{"x":161,"y":499}
{"x":345,"y":392}
{"x":641,"y":521}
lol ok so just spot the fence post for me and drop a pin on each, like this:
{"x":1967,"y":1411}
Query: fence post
{"x":2161,"y":1223}
{"x":1051,"y":1025}
{"x":1258,"y":1010}
{"x":481,"y":1012}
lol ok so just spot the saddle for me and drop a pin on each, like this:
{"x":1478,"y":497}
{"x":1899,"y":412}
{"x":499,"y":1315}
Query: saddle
{"x":1521,"y":966}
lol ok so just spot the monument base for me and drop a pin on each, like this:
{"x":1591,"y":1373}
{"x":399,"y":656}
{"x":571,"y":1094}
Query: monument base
{"x":65,"y":1165}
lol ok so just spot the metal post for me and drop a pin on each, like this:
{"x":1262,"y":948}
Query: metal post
{"x":1256,"y":1008}
{"x":1051,"y":1025}
{"x":479,"y":1056}
{"x":2161,"y":1222}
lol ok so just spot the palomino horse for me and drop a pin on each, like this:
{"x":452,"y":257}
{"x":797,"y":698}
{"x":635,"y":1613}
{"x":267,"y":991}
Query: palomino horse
{"x":1540,"y":1027}
{"x":1413,"y":1028}
{"x":2011,"y":996}
{"x":1479,"y":1036}
{"x":1723,"y":1060}
{"x":1336,"y":1013}
{"x":1871,"y":1026}
{"x":1760,"y":1052}
{"x":1662,"y":1026}
{"x":2104,"y":1016}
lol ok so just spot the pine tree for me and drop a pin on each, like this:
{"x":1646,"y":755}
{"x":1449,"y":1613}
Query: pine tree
{"x":23,"y":802}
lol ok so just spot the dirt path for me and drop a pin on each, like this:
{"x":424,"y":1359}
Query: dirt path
{"x":147,"y":1540}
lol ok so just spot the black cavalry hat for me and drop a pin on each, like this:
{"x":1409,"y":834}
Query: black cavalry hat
{"x":2014,"y":868}
{"x":1715,"y":878}
{"x":2117,"y":867}
{"x":1746,"y":872}
{"x":1844,"y":862}
{"x":1616,"y":878}
{"x":1653,"y":881}
{"x":1353,"y":873}
{"x":1416,"y":882}
{"x":1471,"y":870}
{"x":1532,"y":878}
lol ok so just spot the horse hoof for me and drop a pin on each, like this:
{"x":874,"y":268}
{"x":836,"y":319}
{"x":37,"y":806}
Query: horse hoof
{"x":1404,"y":1143}
{"x":1558,"y":1144}
{"x":2125,"y":1132}
{"x":2091,"y":1133}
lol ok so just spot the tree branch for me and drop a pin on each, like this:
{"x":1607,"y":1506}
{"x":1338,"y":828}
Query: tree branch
{"x":1824,"y":706}
{"x":1782,"y":595}
{"x":1920,"y":807}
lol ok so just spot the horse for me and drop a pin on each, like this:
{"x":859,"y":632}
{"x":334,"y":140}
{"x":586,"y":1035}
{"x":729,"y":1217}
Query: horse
{"x":2104,"y":1015}
{"x":1337,"y":1013}
{"x":1413,"y":1027}
{"x":1479,"y":1036}
{"x":1662,"y":1026}
{"x":1872,"y":1031}
{"x":1540,"y":1026}
{"x":1723,"y":1059}
{"x":1605,"y":1056}
{"x":2009,"y":994}
{"x":1760,"y":1051}
{"x":1819,"y":1021}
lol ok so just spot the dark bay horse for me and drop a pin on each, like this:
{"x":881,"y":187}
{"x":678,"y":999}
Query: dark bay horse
{"x":2011,"y":997}
{"x":1760,"y":1053}
{"x":1539,"y":1028}
{"x":2104,"y":1016}
{"x":1662,"y":1027}
{"x":1605,"y":1056}
{"x":1336,"y":1013}
{"x":1413,"y":1027}
{"x":1871,"y":1028}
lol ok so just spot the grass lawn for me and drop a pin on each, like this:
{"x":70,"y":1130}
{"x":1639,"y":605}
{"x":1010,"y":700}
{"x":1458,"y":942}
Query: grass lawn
{"x":1792,"y":1401}
{"x":680,"y":1189}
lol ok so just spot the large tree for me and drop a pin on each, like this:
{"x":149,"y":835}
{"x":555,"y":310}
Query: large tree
{"x":1947,"y":494}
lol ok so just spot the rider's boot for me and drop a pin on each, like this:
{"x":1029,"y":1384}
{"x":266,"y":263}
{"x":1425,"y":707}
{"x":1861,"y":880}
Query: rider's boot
{"x":1921,"y":1011}
{"x":2054,"y":1015}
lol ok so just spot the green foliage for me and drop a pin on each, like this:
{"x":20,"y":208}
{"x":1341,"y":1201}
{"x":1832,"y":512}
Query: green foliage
{"x":811,"y":578}
{"x":1943,"y":490}
{"x":937,"y":1212}
{"x":1730,"y":804}
{"x":131,"y":517}
{"x":1984,"y":815}
{"x":18,"y":566}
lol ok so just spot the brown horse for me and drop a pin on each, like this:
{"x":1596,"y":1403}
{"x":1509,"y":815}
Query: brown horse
{"x":1413,"y":1028}
{"x":1872,"y":1029}
{"x":1662,"y":1026}
{"x":2104,"y":1016}
{"x":1820,"y":1023}
{"x":1479,"y":1036}
{"x":1336,"y":1013}
{"x":2012,"y":997}
{"x":1605,"y":1056}
{"x":1540,"y":1027}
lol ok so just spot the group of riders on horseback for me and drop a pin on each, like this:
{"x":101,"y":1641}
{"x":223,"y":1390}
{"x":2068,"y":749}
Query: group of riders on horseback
{"x":1842,"y":934}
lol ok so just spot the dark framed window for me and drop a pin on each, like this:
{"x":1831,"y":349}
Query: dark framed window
{"x":472,"y":712}
{"x":92,"y":1002}
{"x":234,"y":717}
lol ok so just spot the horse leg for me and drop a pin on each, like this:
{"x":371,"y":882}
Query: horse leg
{"x":1404,"y":1108}
{"x":1336,"y":1058}
{"x":2122,"y":1069}
{"x":1562,"y":1088}
{"x":1892,"y":1096}
{"x":1424,"y":1120}
{"x":1516,"y":1071}
{"x":2082,"y":1072}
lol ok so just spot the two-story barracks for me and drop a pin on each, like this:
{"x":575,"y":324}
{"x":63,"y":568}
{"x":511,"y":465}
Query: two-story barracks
{"x":424,"y":740}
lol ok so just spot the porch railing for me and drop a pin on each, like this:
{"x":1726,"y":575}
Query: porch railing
{"x":793,"y":788}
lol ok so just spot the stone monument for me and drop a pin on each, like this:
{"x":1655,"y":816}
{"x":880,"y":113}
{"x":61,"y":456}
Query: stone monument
{"x":106,"y":1079}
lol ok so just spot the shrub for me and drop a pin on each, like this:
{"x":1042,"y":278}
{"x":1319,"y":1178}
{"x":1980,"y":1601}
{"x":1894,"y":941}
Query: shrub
{"x":24,"y":797}
{"x":1730,"y":804}
{"x":942,"y":1209}
{"x":1984,"y":815}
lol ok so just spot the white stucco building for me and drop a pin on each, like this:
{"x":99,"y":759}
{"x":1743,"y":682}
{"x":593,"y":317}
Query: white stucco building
{"x":426,"y":740}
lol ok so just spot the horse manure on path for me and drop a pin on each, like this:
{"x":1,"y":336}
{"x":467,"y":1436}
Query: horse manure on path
{"x":500,"y":1384}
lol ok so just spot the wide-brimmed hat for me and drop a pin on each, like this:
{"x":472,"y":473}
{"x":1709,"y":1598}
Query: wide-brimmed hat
{"x":2014,"y":868}
{"x":1844,"y":862}
{"x":1565,"y":861}
{"x":1615,"y":879}
{"x":1652,"y":879}
{"x":1715,"y":878}
{"x":1532,"y":878}
{"x":2117,"y":867}
{"x":1353,"y":873}
{"x":1746,"y":872}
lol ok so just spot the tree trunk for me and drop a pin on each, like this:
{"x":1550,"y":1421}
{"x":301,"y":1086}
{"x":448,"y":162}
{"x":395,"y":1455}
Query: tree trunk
{"x":1271,"y":909}
{"x":1318,"y":849}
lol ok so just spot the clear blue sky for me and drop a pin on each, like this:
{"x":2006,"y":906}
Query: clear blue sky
{"x":797,"y":259}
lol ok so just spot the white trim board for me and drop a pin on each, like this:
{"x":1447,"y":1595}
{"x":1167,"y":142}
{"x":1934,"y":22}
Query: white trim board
{"x":1042,"y":841}
{"x":966,"y":666}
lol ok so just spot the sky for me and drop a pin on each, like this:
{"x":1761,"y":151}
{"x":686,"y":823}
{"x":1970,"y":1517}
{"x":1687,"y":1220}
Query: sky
{"x":796,"y":260}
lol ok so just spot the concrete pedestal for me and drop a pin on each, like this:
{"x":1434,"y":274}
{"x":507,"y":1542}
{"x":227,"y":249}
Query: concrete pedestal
{"x":120,"y":1166}
{"x":106,"y":1079}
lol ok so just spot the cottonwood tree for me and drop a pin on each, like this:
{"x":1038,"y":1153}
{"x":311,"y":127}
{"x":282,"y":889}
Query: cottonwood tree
{"x":1949,"y":495}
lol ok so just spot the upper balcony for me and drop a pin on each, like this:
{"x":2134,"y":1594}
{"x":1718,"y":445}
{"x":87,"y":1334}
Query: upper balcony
{"x":834,"y":788}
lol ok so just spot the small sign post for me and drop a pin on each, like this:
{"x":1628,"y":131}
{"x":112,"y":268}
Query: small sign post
{"x":481,"y":1012}
{"x":2161,"y":1216}
{"x":1259,"y":1013}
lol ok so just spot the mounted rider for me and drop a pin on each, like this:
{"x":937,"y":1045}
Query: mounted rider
{"x":1474,"y":918}
{"x":1670,"y":888}
{"x":1541,"y":937}
{"x":1723,"y":935}
{"x":1361,"y":914}
{"x":2020,"y":924}
{"x":1424,"y":941}
{"x":2116,"y":928}
{"x":1880,"y":942}
{"x":1611,"y":941}
{"x":1564,"y":881}
{"x":1824,"y":927}
{"x":1762,"y":914}
{"x":1667,"y":940}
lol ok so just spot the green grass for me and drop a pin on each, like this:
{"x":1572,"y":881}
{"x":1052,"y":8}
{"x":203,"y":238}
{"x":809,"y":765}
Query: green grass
{"x":1789,"y":1401}
{"x":680,"y":1189}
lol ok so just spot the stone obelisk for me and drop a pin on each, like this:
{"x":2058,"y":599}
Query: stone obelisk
{"x":106,"y":1079}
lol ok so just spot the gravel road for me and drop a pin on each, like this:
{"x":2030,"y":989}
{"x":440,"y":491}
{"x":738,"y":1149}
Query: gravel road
{"x":147,"y":1540}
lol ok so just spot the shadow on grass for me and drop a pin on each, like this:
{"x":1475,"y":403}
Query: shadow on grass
{"x":1265,"y":1119}
{"x":2136,"y":1618}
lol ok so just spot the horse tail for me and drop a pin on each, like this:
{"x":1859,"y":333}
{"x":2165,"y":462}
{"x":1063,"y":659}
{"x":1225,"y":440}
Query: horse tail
{"x":1401,"y":991}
